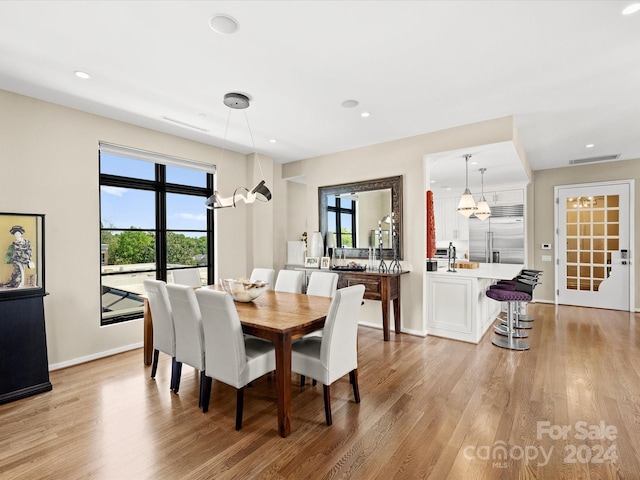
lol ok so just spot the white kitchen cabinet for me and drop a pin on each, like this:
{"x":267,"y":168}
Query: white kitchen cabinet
{"x":505,"y":197}
{"x":450,"y":225}
{"x":455,"y":303}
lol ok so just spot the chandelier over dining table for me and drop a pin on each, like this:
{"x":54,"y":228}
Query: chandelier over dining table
{"x":260,"y":192}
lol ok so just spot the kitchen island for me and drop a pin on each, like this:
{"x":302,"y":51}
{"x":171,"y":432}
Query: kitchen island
{"x":455,"y":304}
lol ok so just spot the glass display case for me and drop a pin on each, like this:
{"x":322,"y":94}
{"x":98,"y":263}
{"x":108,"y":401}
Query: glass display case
{"x":21,"y":255}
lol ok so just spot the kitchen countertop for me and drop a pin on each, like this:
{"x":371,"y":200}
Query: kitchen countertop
{"x":498,"y":271}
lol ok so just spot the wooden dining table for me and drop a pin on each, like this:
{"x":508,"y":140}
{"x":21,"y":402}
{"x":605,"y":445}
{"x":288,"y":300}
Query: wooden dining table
{"x":275,"y":316}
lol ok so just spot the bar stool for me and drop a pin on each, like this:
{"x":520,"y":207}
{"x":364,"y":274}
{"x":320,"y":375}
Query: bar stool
{"x":505,"y":324}
{"x":522,"y":308}
{"x":518,"y":324}
{"x":531,"y":277}
{"x":511,"y":297}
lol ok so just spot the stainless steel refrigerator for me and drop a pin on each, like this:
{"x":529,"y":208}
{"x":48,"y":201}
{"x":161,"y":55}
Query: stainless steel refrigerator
{"x":499,"y":238}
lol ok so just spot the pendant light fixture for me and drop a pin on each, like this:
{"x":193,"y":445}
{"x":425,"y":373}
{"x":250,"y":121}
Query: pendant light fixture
{"x":239,"y":101}
{"x":483,"y":211}
{"x":467,"y":205}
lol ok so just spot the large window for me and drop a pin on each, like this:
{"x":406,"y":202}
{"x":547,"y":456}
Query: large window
{"x":341,"y":212}
{"x":152,"y":221}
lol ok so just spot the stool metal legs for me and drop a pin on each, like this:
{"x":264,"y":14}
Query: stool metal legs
{"x":519,"y":323}
{"x":511,"y":342}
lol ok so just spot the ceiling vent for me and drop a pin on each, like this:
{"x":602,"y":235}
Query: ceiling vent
{"x":185,"y":124}
{"x":602,"y":158}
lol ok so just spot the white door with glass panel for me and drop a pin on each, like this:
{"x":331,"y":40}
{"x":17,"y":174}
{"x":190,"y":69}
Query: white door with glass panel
{"x":593,"y":241}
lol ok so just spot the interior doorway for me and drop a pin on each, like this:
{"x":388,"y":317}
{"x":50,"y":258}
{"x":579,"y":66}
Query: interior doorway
{"x":594,"y":227}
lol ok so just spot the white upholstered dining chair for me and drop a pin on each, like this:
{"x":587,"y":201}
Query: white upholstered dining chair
{"x":335,"y":353}
{"x":323,"y":284}
{"x":189,"y":334}
{"x":229,"y":356}
{"x":187,"y":276}
{"x":164,"y":338}
{"x":289,"y":281}
{"x":264,"y":274}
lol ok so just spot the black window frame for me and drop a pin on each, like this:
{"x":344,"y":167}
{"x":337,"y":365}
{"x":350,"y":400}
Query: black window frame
{"x":338,"y":210}
{"x":161,"y":188}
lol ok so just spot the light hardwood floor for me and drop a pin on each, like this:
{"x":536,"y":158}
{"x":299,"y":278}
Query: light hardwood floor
{"x":431,"y":408}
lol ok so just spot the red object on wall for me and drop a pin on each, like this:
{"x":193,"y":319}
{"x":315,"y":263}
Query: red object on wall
{"x":431,"y":227}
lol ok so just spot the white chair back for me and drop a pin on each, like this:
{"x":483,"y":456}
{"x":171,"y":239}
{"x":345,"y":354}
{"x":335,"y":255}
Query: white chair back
{"x":323,"y":284}
{"x":289,"y":281}
{"x":187,"y":276}
{"x":339,"y":347}
{"x":225,"y":354}
{"x":264,"y":274}
{"x":188,"y":325}
{"x":164,"y":339}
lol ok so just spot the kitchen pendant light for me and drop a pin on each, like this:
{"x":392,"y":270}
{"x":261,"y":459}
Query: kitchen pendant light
{"x":483,"y":211}
{"x":467,"y":205}
{"x":239,"y":101}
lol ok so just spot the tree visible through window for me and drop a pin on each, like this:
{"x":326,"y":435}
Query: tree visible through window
{"x":152,"y":220}
{"x":341,"y":213}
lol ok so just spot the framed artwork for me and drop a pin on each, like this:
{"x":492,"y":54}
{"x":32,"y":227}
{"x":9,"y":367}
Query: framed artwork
{"x":21,"y":255}
{"x":325,"y":263}
{"x":312,"y":262}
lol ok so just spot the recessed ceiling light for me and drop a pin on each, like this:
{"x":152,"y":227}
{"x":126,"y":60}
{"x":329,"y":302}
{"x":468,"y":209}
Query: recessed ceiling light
{"x":349,"y":103}
{"x":365,"y":114}
{"x":223,"y":24}
{"x":82,"y":75}
{"x":633,"y":8}
{"x":273,"y":140}
{"x":433,"y":181}
{"x":473,"y":163}
{"x":590,"y":145}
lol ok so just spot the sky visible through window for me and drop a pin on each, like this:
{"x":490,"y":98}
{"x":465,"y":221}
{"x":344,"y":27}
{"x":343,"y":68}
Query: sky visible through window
{"x":126,"y":208}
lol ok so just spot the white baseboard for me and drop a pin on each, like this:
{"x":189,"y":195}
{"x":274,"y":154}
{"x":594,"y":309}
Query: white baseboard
{"x":552,"y":302}
{"x":95,"y":356}
{"x":542,"y":300}
{"x":416,"y":333}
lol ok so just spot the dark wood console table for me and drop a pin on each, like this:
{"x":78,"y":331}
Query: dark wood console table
{"x":377,"y":286}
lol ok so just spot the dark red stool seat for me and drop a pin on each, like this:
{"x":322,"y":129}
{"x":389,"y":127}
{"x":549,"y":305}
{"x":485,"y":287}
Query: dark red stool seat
{"x":504,"y":295}
{"x":512,"y":297}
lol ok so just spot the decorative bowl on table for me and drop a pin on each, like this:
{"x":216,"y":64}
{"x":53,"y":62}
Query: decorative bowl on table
{"x":243,"y":290}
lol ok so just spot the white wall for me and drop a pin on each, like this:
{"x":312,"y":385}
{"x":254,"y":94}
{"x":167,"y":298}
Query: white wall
{"x":401,"y":157}
{"x":49,"y":164}
{"x":543,"y":197}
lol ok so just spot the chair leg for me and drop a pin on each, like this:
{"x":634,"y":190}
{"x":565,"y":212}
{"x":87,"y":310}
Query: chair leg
{"x":353,"y":378}
{"x":154,"y":365}
{"x":239,"y":407}
{"x":202,"y":383}
{"x":206,"y":393}
{"x":327,"y":403}
{"x":302,"y":380}
{"x":177,"y":375}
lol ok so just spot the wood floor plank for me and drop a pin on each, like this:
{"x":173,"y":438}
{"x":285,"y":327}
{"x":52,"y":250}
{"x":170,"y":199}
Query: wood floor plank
{"x":431,"y":408}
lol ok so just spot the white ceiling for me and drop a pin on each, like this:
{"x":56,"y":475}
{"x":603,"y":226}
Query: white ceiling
{"x":504,"y":170}
{"x":568,"y":71}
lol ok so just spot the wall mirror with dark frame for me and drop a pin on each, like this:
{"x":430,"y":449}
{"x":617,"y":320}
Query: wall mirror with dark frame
{"x":356,"y":213}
